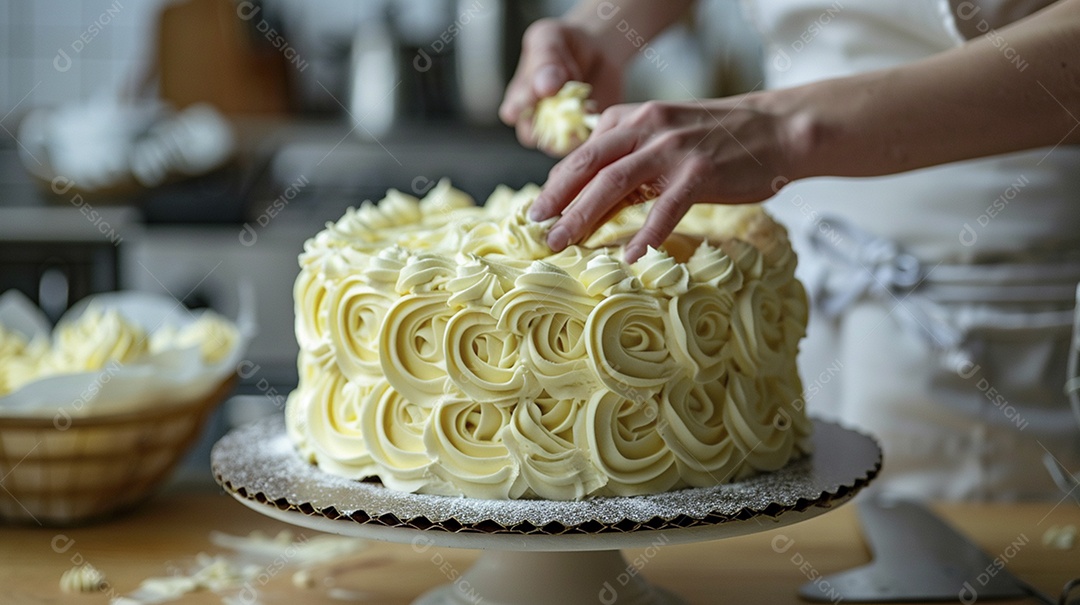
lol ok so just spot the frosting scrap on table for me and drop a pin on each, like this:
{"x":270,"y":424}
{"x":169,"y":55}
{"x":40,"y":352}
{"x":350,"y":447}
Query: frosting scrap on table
{"x":82,"y":578}
{"x":255,"y":559}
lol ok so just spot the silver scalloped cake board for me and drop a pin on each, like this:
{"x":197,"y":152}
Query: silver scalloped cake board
{"x":551,"y":551}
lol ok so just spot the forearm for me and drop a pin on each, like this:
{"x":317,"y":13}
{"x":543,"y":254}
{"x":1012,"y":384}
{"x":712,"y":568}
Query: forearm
{"x":1017,"y":90}
{"x":623,"y":25}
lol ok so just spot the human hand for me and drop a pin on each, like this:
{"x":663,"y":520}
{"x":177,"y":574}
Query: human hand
{"x":724,"y":151}
{"x":553,"y":53}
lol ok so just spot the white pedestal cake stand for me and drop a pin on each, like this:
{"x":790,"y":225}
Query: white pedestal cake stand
{"x":541,"y":551}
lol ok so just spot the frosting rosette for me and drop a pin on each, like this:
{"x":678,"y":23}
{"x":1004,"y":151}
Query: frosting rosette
{"x":356,"y":313}
{"x":483,"y":239}
{"x":312,"y":307}
{"x":384,"y":268}
{"x":572,"y":259}
{"x":624,"y":442}
{"x":524,"y":238}
{"x":698,"y":322}
{"x":332,"y":423}
{"x":425,"y":272}
{"x":443,"y":203}
{"x":759,"y":425}
{"x":541,"y":438}
{"x":480,"y":283}
{"x":626,"y":340}
{"x":657,"y":270}
{"x":757,"y":337}
{"x":548,"y":309}
{"x":713,"y":267}
{"x":369,"y":223}
{"x":464,"y":438}
{"x":392,"y":428}
{"x":442,"y":237}
{"x":411,"y":346}
{"x":482,"y":360}
{"x":446,"y":350}
{"x":692,"y":425}
{"x":605,"y":275}
{"x":747,"y":258}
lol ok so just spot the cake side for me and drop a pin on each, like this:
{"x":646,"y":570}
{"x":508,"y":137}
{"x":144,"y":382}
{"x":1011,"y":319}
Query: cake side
{"x":446,"y":350}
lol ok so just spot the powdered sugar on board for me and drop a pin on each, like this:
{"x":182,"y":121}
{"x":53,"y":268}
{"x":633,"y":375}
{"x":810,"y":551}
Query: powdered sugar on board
{"x":259,"y":459}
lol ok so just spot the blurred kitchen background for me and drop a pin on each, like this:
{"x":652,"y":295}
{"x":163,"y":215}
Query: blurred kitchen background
{"x":189,"y":147}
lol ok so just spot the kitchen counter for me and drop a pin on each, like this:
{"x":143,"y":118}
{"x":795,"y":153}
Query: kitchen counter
{"x":171,"y":529}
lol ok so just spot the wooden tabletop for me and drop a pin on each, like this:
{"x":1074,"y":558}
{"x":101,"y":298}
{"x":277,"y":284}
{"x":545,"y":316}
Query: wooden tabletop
{"x":171,"y":529}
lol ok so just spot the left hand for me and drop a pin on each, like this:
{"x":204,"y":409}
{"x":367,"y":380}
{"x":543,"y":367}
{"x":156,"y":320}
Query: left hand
{"x":720,"y":151}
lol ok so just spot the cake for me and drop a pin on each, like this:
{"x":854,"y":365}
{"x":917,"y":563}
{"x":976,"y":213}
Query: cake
{"x":444,"y":349}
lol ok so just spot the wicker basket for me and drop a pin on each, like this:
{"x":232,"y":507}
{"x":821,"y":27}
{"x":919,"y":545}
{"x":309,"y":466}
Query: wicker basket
{"x":96,"y":466}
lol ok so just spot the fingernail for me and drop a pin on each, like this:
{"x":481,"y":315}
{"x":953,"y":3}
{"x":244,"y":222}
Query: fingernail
{"x":547,"y":80}
{"x":558,"y":238}
{"x":535,"y":214}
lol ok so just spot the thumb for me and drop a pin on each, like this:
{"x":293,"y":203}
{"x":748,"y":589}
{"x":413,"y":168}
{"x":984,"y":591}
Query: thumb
{"x":548,"y":80}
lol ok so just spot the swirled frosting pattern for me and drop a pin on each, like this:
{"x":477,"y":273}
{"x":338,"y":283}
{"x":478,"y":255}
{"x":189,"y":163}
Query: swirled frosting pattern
{"x":446,"y":350}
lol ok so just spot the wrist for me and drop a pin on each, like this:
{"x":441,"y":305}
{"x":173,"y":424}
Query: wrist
{"x":808,"y":135}
{"x":600,"y":23}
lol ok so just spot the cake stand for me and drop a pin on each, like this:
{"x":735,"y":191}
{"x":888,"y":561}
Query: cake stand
{"x":541,"y":551}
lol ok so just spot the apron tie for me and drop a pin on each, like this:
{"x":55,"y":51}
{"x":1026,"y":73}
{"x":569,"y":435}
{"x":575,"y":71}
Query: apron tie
{"x":866,"y":263}
{"x":849,"y":263}
{"x":861,"y":264}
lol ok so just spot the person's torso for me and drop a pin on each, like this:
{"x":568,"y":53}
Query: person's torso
{"x":964,"y":211}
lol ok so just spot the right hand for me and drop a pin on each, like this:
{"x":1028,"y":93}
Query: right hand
{"x":554,"y":52}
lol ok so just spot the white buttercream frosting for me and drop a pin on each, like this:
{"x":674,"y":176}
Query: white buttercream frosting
{"x":113,"y":340}
{"x":211,"y":333}
{"x":562,"y":121}
{"x":96,"y":338}
{"x":446,"y":350}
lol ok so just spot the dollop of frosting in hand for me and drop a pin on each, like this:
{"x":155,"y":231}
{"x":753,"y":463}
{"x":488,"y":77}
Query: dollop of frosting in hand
{"x":561,"y":122}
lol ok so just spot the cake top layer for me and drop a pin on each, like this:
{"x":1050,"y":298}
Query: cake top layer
{"x":419,"y":243}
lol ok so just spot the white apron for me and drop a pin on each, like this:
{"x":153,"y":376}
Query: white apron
{"x":943,"y":297}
